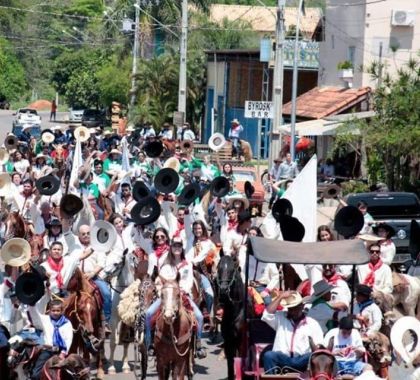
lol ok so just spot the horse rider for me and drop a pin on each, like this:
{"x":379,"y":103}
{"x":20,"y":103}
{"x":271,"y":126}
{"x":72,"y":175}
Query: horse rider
{"x":388,"y":249}
{"x":57,"y":333}
{"x":234,"y":134}
{"x":123,"y":200}
{"x":166,"y":132}
{"x":175,"y":265}
{"x":340,"y":292}
{"x":186,"y":133}
{"x":100,"y":178}
{"x":293,"y":330}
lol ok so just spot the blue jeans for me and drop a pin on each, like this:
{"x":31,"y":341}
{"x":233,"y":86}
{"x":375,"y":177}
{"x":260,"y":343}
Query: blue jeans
{"x":208,"y":292}
{"x":153,"y":309}
{"x":274,"y":359}
{"x":36,"y":336}
{"x":352,"y":367}
{"x":106,"y":296}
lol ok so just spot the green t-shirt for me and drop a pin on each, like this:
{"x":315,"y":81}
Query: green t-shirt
{"x":92,"y":189}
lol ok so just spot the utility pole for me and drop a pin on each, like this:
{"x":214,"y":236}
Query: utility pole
{"x":182,"y":91}
{"x":275,"y":136}
{"x":295,"y":83}
{"x":135,"y":56}
{"x":380,"y":65}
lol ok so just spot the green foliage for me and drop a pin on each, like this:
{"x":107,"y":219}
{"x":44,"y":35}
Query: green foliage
{"x":86,"y":8}
{"x":344,"y":65}
{"x":353,"y":186}
{"x":12,"y":75}
{"x":82,"y":89}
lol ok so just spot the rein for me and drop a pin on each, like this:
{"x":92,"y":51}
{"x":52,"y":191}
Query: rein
{"x":230,"y":282}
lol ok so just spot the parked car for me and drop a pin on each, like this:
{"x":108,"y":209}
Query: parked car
{"x":396,"y":209}
{"x":93,"y":118}
{"x":249,"y":173}
{"x":76,"y":114}
{"x":25,"y":116}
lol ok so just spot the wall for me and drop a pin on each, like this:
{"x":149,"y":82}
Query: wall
{"x":354,"y":32}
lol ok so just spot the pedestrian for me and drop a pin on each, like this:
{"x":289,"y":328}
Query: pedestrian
{"x":53,"y":110}
{"x":288,"y":168}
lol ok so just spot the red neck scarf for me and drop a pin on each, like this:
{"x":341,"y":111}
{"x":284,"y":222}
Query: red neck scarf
{"x":57,"y":267}
{"x":333,"y":279}
{"x":232,"y":224}
{"x":180,"y":227}
{"x":161,"y":249}
{"x":370,"y":278}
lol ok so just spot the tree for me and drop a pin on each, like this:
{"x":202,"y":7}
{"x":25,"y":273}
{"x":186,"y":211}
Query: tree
{"x":82,"y":89}
{"x":390,"y":141}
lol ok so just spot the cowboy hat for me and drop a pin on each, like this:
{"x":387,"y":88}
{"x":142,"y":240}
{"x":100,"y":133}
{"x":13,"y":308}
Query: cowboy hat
{"x":4,"y":156}
{"x":81,"y":134}
{"x":216,"y":141}
{"x":369,"y":237}
{"x":103,"y":236}
{"x":153,"y":149}
{"x":47,"y":136}
{"x":16,"y":252}
{"x":70,"y":205}
{"x":107,"y":132}
{"x":53,"y":222}
{"x":220,"y":187}
{"x":281,"y":207}
{"x":295,"y":299}
{"x":115,"y":151}
{"x":364,"y":290}
{"x":389,"y":229}
{"x":5,"y":184}
{"x":40,"y":155}
{"x":235,"y":121}
{"x":57,"y":128}
{"x":349,"y":221}
{"x":166,"y":181}
{"x":189,"y":194}
{"x":140,"y":191}
{"x":48,"y":185}
{"x":172,"y":163}
{"x":398,"y":342}
{"x":11,"y":142}
{"x":146,"y":211}
{"x":331,"y":191}
{"x":187,"y":146}
{"x":249,"y":189}
{"x":320,"y":288}
{"x":234,"y":199}
{"x":130,"y":128}
{"x":29,"y":288}
{"x":291,"y":228}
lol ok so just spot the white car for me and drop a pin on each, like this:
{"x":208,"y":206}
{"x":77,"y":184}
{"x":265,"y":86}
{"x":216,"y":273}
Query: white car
{"x":75,"y":115}
{"x":26,"y":116}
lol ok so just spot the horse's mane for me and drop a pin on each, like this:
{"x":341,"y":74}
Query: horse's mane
{"x":78,"y":282}
{"x":16,"y":221}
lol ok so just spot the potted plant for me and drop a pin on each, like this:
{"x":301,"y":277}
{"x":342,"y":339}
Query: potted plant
{"x":345,"y":70}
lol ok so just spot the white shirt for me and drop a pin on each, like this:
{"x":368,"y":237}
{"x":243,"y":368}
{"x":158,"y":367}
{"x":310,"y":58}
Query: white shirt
{"x":21,"y":166}
{"x":185,"y":270}
{"x":388,"y":252}
{"x":69,"y":266}
{"x":187,"y":135}
{"x":374,"y":316}
{"x":148,"y":132}
{"x":235,"y":132}
{"x":167,"y":134}
{"x":121,"y":204}
{"x":354,"y":341}
{"x":293,"y":339}
{"x":367,"y":228}
{"x":383,"y":277}
{"x":43,"y":322}
{"x":341,"y":293}
{"x":264,"y":273}
{"x":204,"y":248}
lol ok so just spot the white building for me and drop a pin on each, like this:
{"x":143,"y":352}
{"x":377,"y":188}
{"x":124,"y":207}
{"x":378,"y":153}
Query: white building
{"x":357,"y":31}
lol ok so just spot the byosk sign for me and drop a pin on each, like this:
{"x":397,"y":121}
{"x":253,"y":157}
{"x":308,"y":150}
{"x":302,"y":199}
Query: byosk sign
{"x":259,"y":110}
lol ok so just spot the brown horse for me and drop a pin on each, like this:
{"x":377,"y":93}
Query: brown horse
{"x":174,"y":336}
{"x":16,"y":227}
{"x":72,"y":367}
{"x":83,"y":309}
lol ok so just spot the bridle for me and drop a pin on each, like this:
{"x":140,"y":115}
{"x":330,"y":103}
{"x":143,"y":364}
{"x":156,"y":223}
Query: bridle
{"x":322,"y":375}
{"x":229,"y":282}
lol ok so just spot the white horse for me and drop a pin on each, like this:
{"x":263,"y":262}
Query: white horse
{"x":406,"y":291}
{"x":121,"y":268}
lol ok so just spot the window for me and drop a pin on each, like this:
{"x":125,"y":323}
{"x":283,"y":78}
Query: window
{"x":351,"y":54}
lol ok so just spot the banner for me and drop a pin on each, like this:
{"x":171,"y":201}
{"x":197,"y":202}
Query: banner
{"x":76,"y":165}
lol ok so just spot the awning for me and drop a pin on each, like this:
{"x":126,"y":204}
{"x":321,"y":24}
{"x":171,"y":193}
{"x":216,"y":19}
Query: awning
{"x":342,"y":252}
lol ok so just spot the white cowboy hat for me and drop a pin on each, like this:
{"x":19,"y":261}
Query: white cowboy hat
{"x":81,"y":134}
{"x":238,"y":198}
{"x":172,"y":163}
{"x":103,"y":236}
{"x":369,"y":237}
{"x":16,"y":252}
{"x":57,"y":128}
{"x":115,"y":151}
{"x":107,"y":132}
{"x":4,"y":156}
{"x":47,"y":136}
{"x":235,"y":121}
{"x":4,"y":184}
{"x":40,"y":155}
{"x":397,"y":333}
{"x":130,"y":128}
{"x":216,"y":141}
{"x":295,"y":299}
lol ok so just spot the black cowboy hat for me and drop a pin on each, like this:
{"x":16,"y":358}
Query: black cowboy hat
{"x":249,"y":189}
{"x":349,"y":221}
{"x":281,"y":208}
{"x":53,"y":222}
{"x":71,"y":204}
{"x":140,"y":191}
{"x":166,"y":180}
{"x":389,"y":229}
{"x":146,"y":211}
{"x":364,"y":290}
{"x":220,"y":187}
{"x":291,"y":228}
{"x":414,"y":245}
{"x":29,"y":288}
{"x":189,"y":193}
{"x":48,"y":185}
{"x":153,"y":149}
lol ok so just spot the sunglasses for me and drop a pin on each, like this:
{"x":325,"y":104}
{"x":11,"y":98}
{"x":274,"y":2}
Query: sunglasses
{"x":375,"y":251}
{"x":160,"y":237}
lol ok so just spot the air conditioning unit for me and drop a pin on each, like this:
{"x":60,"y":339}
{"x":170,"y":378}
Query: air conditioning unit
{"x":403,"y":17}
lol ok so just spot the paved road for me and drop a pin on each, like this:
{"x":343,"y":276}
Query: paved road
{"x":6,"y":120}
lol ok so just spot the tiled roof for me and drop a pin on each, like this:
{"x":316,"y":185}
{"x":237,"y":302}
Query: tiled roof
{"x":263,"y":19}
{"x":321,"y":102}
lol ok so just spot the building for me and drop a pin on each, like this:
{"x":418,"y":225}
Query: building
{"x":364,"y":32}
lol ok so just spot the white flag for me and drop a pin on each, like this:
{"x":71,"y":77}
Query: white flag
{"x":76,"y":165}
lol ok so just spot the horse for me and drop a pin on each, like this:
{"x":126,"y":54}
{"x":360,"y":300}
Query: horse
{"x":174,"y":334}
{"x":379,"y":349}
{"x":17,"y":228}
{"x":59,"y":156}
{"x":72,"y":367}
{"x":83,"y":308}
{"x":230,"y":292}
{"x":406,"y":291}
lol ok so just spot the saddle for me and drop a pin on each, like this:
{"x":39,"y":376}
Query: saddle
{"x":96,"y":294}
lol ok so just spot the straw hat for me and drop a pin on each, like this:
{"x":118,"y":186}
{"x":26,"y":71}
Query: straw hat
{"x":47,"y":136}
{"x":16,"y":252}
{"x":115,"y":151}
{"x":295,"y":299}
{"x":172,"y":163}
{"x":82,"y":134}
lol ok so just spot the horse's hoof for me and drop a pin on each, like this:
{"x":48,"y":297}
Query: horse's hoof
{"x":126,"y":371}
{"x":100,"y":375}
{"x":112,"y":371}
